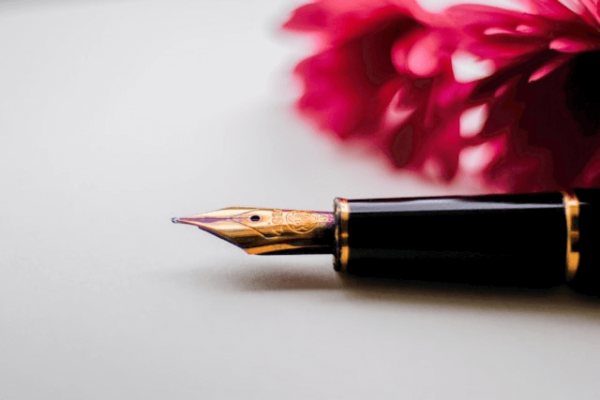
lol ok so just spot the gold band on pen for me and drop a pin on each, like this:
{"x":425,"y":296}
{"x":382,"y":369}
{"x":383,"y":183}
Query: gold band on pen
{"x":342,"y":214}
{"x":571,"y":203}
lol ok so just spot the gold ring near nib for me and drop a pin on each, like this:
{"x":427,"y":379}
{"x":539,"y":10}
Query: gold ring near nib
{"x":269,"y":230}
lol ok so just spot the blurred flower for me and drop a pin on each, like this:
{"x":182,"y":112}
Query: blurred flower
{"x":542,"y":95}
{"x":511,"y":99}
{"x":381,"y":73}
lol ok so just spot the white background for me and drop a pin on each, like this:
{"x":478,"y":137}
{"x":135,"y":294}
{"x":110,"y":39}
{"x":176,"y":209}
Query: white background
{"x":116,"y":116}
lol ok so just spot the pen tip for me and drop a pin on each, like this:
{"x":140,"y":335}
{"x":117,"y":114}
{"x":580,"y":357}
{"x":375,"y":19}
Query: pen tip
{"x":175,"y":220}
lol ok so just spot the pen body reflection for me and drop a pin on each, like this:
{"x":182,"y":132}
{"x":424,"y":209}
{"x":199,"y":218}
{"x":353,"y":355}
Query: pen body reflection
{"x":514,"y":239}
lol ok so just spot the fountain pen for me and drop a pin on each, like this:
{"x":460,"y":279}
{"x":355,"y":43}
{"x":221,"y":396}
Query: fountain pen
{"x":531,"y":240}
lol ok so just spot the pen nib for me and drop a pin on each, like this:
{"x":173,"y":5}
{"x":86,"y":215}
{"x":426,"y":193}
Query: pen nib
{"x":269,"y":231}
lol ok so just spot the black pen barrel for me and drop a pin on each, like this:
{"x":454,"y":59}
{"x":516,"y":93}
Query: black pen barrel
{"x":512,"y":240}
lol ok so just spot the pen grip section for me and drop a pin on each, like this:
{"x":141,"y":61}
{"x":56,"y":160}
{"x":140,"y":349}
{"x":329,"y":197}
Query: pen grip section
{"x":494,"y":240}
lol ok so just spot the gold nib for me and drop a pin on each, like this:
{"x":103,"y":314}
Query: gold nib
{"x":269,"y":231}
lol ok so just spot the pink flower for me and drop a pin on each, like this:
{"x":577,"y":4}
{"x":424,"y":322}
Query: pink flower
{"x":542,"y":98}
{"x":510,"y":99}
{"x":382,"y":74}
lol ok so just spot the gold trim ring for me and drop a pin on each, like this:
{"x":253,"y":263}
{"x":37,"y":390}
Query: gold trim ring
{"x":571,"y":203}
{"x":342,"y":214}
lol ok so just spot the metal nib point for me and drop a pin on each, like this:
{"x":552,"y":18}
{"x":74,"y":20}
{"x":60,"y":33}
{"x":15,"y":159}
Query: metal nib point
{"x":269,"y":231}
{"x":175,"y":220}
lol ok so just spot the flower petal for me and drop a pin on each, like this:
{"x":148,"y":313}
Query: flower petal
{"x":472,"y":121}
{"x":424,"y":57}
{"x":467,"y":67}
{"x":573,"y":45}
{"x":548,"y":68}
{"x":309,"y":17}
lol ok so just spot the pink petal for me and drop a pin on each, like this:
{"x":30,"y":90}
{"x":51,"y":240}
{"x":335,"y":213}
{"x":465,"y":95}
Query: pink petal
{"x":527,"y":29}
{"x":308,"y":17}
{"x":590,"y":177}
{"x":475,"y":159}
{"x":467,"y":67}
{"x":574,"y":5}
{"x":477,"y":19}
{"x":402,"y":47}
{"x":472,"y":121}
{"x":423,"y":59}
{"x":498,"y":31}
{"x":573,"y":45}
{"x":554,"y":9}
{"x":548,"y":68}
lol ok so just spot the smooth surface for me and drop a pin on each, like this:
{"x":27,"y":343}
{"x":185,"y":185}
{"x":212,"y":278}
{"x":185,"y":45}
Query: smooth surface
{"x":506,"y":239}
{"x":116,"y":116}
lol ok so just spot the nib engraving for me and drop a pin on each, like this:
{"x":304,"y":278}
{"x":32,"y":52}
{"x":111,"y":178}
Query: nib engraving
{"x":269,"y":231}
